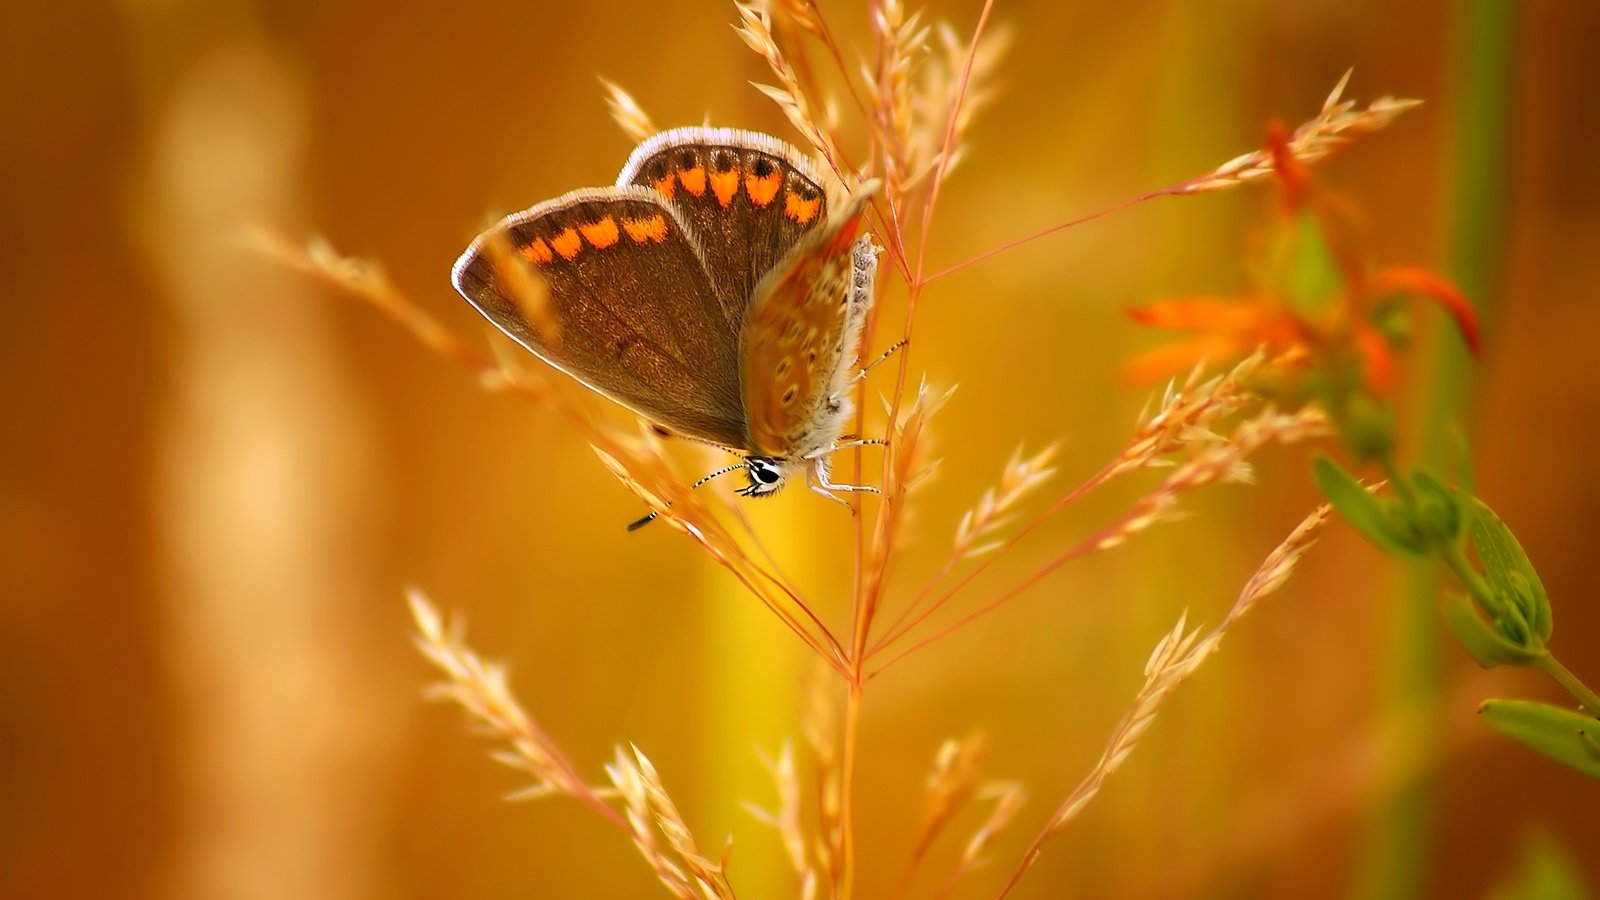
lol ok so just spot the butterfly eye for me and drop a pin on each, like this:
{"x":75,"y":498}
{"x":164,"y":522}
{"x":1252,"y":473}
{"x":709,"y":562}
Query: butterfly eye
{"x":763,"y":471}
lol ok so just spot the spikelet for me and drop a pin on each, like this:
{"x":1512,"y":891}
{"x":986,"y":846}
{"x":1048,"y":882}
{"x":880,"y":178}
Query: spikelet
{"x":687,"y":872}
{"x":480,"y":688}
{"x":628,"y":115}
{"x":907,"y":469}
{"x":1008,"y":796}
{"x":819,"y":724}
{"x":901,"y":40}
{"x":755,"y":29}
{"x":1221,"y":460}
{"x":1184,"y":417}
{"x":787,"y":820}
{"x":1337,"y":124}
{"x":1019,"y":478}
{"x":939,"y":96}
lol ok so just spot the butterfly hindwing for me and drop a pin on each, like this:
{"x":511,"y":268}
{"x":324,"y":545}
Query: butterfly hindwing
{"x":748,"y":198}
{"x":627,"y":285}
{"x":799,"y":334}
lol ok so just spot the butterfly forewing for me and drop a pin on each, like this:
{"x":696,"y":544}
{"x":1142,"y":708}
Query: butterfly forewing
{"x":748,"y":198}
{"x":638,"y":320}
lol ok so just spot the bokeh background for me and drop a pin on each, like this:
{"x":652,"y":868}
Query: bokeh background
{"x":218,"y":477}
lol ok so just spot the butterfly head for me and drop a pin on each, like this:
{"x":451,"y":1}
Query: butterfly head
{"x":767,"y":474}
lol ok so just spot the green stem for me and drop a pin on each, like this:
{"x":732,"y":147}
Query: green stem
{"x":1581,"y":692}
{"x":1397,"y":837}
{"x":1472,"y":580}
{"x":1397,"y":480}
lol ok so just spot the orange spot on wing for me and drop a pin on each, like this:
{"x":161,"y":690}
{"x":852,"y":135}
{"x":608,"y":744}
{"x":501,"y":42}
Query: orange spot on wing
{"x":800,"y":209}
{"x":725,"y":185}
{"x":665,"y":185}
{"x":567,"y":243}
{"x":762,"y":190}
{"x":651,"y":229}
{"x":602,"y":234}
{"x":694,"y":180}
{"x":537,"y":252}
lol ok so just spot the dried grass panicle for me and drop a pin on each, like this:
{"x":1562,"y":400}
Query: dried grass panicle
{"x":1184,"y":422}
{"x":916,"y":91}
{"x":951,"y":784}
{"x":981,"y":89}
{"x":1185,"y":416}
{"x":1337,"y":124}
{"x":901,"y":41}
{"x":801,"y":14}
{"x":687,"y":872}
{"x":629,"y":785}
{"x":1019,"y":478}
{"x":627,"y":113}
{"x":1221,"y":460}
{"x":906,"y":469}
{"x":1009,"y":798}
{"x":755,"y":29}
{"x":479,"y":687}
{"x":366,"y":281}
{"x":1178,"y":654}
{"x":953,"y":776}
{"x":677,"y":832}
{"x":1275,"y":570}
{"x":788,"y":819}
{"x":1175,"y":657}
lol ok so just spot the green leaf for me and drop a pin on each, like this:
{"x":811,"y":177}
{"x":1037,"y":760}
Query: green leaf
{"x":1487,"y":644}
{"x":1508,"y":570}
{"x":1561,"y":734}
{"x":1364,"y":512}
{"x":1590,"y":741}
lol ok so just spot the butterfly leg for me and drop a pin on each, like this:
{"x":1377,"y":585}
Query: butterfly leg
{"x":827,"y":485}
{"x":846,"y":445}
{"x":817,"y":477}
{"x":868,"y":368}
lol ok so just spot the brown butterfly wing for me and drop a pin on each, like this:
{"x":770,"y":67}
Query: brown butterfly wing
{"x":748,"y":198}
{"x":637,"y":319}
{"x":798,"y":332}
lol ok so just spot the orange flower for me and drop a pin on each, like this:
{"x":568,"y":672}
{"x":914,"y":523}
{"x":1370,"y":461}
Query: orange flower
{"x":1339,"y":325}
{"x":1226,"y":329}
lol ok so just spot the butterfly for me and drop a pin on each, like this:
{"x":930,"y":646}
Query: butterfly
{"x":719,"y":290}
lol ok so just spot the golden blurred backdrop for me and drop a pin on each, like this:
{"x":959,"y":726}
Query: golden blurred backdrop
{"x":220,"y":476}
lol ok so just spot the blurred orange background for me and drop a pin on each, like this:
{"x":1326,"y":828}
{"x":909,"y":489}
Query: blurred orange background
{"x":220,"y":476}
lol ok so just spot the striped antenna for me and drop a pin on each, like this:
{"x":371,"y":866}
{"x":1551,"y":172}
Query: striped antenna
{"x":635,"y":526}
